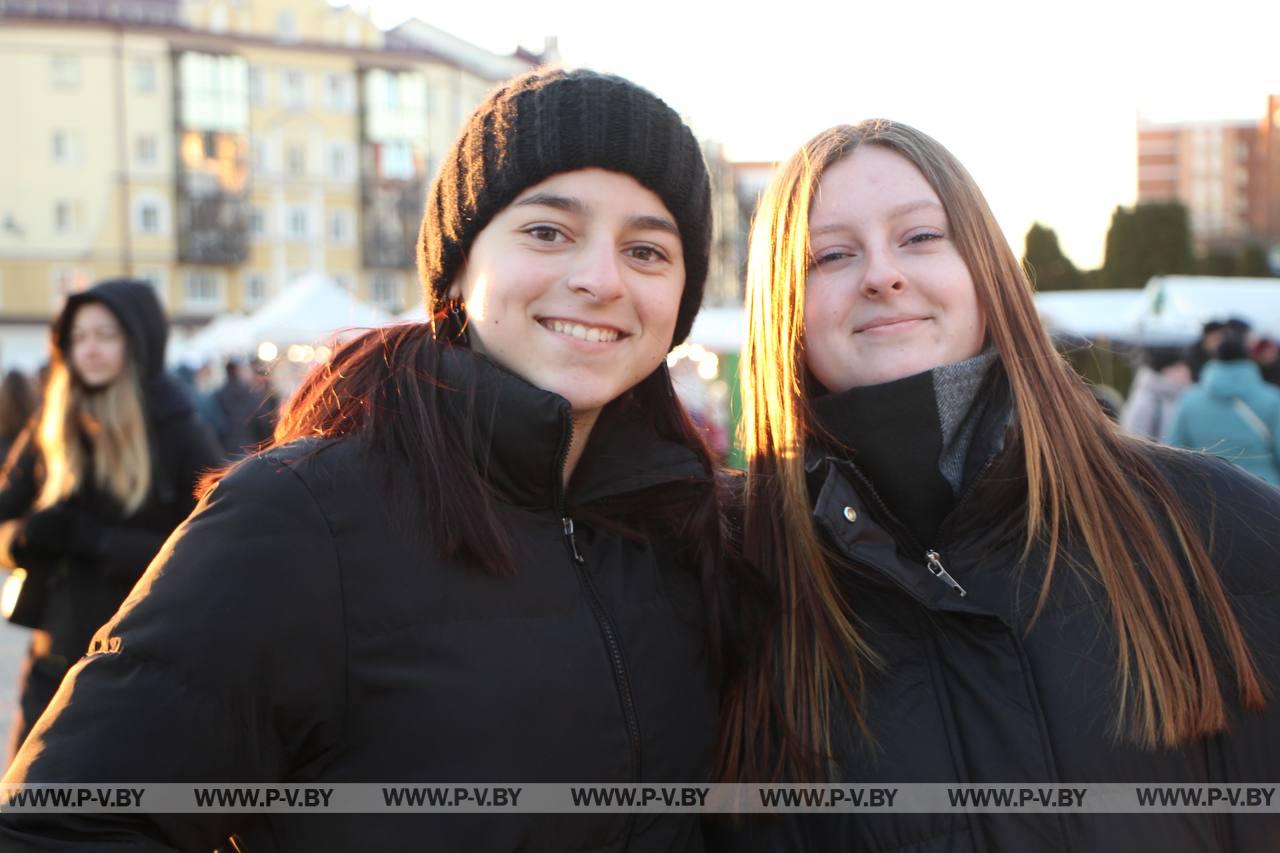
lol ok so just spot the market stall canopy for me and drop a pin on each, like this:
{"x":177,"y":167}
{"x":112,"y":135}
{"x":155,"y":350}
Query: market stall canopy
{"x":1091,"y":314}
{"x":1182,"y":304}
{"x":312,"y":310}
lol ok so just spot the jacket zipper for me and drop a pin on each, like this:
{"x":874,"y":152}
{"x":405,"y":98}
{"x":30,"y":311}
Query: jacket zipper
{"x":932,"y":559}
{"x":607,"y":630}
{"x":933,"y":562}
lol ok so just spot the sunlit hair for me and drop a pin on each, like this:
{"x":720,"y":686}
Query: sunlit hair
{"x":113,"y":421}
{"x":1084,"y":479}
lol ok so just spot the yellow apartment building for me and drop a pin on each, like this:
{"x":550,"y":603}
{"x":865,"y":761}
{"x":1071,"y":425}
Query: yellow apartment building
{"x":219,"y":150}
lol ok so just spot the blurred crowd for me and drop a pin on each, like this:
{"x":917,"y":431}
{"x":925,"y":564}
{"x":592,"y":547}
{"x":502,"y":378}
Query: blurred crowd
{"x":235,"y":399}
{"x":1222,"y":394}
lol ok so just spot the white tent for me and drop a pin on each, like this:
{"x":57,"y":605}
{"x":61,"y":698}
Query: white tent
{"x":312,"y":310}
{"x":1181,"y":304}
{"x":1091,"y":314}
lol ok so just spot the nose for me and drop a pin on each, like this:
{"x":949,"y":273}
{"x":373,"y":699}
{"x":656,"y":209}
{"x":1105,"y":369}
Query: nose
{"x":597,"y":274}
{"x":883,"y":275}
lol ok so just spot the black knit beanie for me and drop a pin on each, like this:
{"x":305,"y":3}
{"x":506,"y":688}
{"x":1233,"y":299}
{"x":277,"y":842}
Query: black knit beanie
{"x":551,"y":121}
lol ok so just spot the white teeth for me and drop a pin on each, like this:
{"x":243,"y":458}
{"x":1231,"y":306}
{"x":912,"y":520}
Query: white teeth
{"x":583,"y":333}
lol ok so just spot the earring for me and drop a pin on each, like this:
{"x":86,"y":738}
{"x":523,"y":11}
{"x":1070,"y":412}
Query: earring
{"x":454,"y":315}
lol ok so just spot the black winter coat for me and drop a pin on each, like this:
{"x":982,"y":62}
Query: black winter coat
{"x":970,"y":692}
{"x":294,"y":632}
{"x":86,"y":583}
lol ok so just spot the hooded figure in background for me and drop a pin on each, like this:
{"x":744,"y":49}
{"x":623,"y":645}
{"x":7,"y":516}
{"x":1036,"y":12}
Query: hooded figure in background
{"x":97,"y":481}
{"x":1232,"y":412}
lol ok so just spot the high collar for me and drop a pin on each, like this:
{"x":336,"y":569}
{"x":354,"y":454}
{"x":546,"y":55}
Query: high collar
{"x":519,"y":435}
{"x":903,"y":437}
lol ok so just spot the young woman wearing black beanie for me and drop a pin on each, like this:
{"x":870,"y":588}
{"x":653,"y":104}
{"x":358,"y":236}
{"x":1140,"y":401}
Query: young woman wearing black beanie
{"x":475,"y":551}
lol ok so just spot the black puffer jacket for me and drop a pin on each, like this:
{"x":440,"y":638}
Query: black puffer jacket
{"x":971,"y":693}
{"x":294,"y":632}
{"x":86,"y":583}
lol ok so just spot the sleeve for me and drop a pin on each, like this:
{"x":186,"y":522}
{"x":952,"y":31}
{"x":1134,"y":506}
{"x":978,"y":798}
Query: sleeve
{"x":225,"y":664}
{"x":1245,"y":545}
{"x":126,"y":551}
{"x":17,"y":495}
{"x":1176,"y":433}
{"x":1140,"y":415}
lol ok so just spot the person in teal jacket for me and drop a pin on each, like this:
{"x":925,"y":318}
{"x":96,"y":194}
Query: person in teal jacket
{"x":1232,"y":412}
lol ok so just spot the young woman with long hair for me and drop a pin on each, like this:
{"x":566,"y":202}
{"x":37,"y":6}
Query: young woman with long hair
{"x":973,"y":574}
{"x":101,"y":476}
{"x":475,"y":552}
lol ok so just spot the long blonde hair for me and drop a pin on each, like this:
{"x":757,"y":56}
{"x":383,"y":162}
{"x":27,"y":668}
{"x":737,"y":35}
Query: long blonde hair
{"x":1083,"y":476}
{"x":112,"y":420}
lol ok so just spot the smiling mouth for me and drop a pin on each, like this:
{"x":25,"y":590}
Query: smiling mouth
{"x":590,"y":334}
{"x":889,"y":325}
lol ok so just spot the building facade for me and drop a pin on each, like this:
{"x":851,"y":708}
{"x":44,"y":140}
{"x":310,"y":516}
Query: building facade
{"x":1227,"y":174}
{"x":219,"y":149}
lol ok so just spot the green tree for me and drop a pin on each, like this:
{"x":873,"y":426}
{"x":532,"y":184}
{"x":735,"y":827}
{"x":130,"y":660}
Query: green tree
{"x":1147,"y":240}
{"x":1045,"y":262}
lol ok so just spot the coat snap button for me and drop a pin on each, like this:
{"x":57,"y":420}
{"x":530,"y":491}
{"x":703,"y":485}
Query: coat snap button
{"x":850,"y":514}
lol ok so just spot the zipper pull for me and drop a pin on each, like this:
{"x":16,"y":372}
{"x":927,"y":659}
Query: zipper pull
{"x":935,"y":567}
{"x":573,"y":543}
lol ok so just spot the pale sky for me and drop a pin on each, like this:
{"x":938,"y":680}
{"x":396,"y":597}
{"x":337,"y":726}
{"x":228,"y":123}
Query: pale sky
{"x":1038,"y":100}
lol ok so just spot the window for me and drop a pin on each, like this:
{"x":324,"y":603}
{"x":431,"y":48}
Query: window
{"x":215,"y":92}
{"x":65,"y":147}
{"x":286,"y":26}
{"x":339,"y":161}
{"x":294,"y":86}
{"x":340,"y":230}
{"x":149,"y":217}
{"x":66,"y":281}
{"x":202,"y":289}
{"x":257,"y":86}
{"x":338,"y":88}
{"x":257,"y":223}
{"x":66,"y":216}
{"x":255,"y":288}
{"x":397,"y":161}
{"x":65,"y":72}
{"x":218,"y":19}
{"x":261,"y":154}
{"x":386,"y":290}
{"x":297,"y":223}
{"x":145,"y":149}
{"x":295,"y":160}
{"x":144,"y":76}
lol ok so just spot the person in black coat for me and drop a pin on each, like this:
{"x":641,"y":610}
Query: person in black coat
{"x":955,"y":567}
{"x":475,"y":553}
{"x":97,"y":481}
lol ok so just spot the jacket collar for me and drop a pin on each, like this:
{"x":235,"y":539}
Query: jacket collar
{"x":847,"y":508}
{"x":519,"y":436}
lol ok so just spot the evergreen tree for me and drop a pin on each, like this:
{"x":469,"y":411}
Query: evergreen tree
{"x":1147,"y":240}
{"x":1045,"y":262}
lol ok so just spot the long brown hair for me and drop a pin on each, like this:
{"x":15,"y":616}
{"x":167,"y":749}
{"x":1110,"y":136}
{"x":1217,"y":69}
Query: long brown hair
{"x":112,"y":419}
{"x":1084,"y":478}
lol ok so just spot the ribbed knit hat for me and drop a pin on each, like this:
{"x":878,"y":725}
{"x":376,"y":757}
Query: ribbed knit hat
{"x":551,"y":121}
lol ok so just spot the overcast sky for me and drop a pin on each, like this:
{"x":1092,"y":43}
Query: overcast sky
{"x":1040,"y":101}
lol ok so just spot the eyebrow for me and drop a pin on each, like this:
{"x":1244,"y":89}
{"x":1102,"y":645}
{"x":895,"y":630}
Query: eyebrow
{"x":901,"y":210}
{"x":572,"y":205}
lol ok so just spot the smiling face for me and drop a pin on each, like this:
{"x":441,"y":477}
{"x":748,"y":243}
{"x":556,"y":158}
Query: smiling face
{"x":575,"y":286}
{"x":97,"y":345}
{"x":887,"y":294}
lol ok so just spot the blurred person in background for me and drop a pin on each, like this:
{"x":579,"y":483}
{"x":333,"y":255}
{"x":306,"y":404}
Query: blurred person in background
{"x":1266,"y":352}
{"x":17,"y":405}
{"x":1231,"y":412}
{"x":98,"y":480}
{"x":476,"y":549}
{"x":1159,"y":383}
{"x":247,"y":410}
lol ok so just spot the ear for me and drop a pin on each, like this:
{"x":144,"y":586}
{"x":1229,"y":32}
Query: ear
{"x":455,"y":287}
